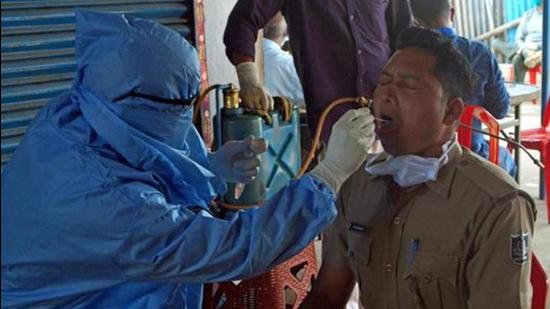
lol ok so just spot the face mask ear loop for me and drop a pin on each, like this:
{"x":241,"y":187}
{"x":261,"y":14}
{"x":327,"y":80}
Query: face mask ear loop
{"x":446,"y":149}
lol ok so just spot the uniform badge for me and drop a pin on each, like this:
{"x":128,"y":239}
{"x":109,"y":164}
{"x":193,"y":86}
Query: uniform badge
{"x":519,"y":248}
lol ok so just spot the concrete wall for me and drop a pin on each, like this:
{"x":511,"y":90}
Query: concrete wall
{"x":220,"y":70}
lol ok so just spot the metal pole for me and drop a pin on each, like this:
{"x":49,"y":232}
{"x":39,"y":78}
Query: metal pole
{"x":545,"y":67}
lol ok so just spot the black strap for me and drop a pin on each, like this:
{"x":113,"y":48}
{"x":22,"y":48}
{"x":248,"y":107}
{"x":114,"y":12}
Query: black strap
{"x":163,"y":100}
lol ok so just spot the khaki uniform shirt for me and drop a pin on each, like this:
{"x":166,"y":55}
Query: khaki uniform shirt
{"x":462,"y":241}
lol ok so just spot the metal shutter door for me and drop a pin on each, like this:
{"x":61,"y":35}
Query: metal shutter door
{"x":38,"y":60}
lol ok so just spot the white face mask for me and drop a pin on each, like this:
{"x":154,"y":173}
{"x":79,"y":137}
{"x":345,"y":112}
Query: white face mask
{"x":410,"y":170}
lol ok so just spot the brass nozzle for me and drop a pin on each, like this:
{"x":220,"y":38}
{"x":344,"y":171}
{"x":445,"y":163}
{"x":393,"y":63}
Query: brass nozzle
{"x":231,"y":97}
{"x":363,"y":102}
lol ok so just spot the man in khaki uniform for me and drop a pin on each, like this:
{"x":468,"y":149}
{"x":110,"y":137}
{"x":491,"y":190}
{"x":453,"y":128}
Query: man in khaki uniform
{"x":429,"y":224}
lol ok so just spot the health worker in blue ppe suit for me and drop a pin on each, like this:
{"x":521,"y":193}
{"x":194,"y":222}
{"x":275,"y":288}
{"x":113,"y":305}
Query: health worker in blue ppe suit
{"x":105,"y":202}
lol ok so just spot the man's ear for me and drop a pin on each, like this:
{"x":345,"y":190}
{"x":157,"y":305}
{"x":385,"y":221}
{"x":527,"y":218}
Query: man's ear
{"x":453,"y":111}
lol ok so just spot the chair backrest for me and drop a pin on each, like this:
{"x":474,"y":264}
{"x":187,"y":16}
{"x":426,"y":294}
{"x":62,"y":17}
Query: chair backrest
{"x":533,"y":74}
{"x":465,"y":134}
{"x":284,"y":286}
{"x":539,"y":282}
{"x":546,"y":118}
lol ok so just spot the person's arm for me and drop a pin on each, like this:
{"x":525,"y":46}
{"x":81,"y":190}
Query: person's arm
{"x":244,"y":22}
{"x":497,"y":274}
{"x":332,"y":288}
{"x":169,"y":241}
{"x":241,"y":32}
{"x":497,"y":99}
{"x":335,"y":282}
{"x":521,"y":32}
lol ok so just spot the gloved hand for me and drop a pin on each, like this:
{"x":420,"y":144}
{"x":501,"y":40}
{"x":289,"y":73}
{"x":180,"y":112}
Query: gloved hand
{"x":237,"y":161}
{"x":253,"y":93}
{"x":351,"y":137}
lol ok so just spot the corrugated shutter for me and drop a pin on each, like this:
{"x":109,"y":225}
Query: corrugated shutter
{"x":38,"y":59}
{"x":476,"y":17}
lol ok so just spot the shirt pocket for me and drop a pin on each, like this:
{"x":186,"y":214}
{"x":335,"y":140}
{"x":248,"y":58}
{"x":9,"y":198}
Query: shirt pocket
{"x":359,"y":251}
{"x":432,"y":281}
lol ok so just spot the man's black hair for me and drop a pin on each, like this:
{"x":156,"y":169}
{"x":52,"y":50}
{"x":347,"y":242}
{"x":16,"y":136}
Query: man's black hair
{"x":452,"y":70}
{"x":428,"y":11}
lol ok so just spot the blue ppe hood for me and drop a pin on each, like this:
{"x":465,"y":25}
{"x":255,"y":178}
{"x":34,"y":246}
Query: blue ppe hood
{"x":118,"y":56}
{"x":105,"y":201}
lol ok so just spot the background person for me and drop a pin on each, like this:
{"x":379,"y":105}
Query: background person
{"x":280,"y":74}
{"x":529,"y":41}
{"x":489,"y":90}
{"x":339,"y":48}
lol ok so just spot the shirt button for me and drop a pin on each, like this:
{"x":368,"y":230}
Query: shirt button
{"x":351,"y":254}
{"x":427,"y":278}
{"x":359,"y":52}
{"x":397,"y":220}
{"x":463,"y":163}
{"x":389,"y":268}
{"x":351,"y":17}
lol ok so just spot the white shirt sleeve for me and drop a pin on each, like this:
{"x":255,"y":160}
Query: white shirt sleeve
{"x":281,"y":78}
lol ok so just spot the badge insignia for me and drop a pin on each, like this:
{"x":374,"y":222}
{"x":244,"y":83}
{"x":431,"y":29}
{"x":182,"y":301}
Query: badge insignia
{"x":519,"y":248}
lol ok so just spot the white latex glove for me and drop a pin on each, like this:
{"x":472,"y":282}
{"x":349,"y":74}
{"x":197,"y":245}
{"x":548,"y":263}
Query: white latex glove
{"x":253,"y":93}
{"x":351,"y":137}
{"x":237,"y":161}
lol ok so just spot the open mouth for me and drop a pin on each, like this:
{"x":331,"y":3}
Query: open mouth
{"x":385,"y":123}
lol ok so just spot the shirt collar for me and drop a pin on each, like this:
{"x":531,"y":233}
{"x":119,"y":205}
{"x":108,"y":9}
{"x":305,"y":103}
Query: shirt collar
{"x":447,"y":31}
{"x":270,"y":44}
{"x":445,"y":177}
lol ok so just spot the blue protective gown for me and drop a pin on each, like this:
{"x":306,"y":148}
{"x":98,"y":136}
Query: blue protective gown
{"x":104,"y":203}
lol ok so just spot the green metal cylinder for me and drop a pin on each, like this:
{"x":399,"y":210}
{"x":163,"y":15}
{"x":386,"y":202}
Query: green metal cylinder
{"x":279,"y":164}
{"x":238,"y":127}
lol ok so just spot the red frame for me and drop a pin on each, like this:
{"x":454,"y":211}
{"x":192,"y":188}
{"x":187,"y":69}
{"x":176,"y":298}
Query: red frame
{"x":465,"y":134}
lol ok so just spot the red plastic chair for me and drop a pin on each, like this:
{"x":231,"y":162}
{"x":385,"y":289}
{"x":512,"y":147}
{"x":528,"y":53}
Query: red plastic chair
{"x":465,"y":134}
{"x":539,"y":139}
{"x":285,"y":286}
{"x":538,"y":278}
{"x":533,"y":74}
{"x":539,"y":282}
